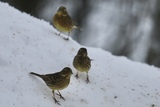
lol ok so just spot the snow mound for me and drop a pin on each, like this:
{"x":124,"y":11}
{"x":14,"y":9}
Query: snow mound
{"x":29,"y":44}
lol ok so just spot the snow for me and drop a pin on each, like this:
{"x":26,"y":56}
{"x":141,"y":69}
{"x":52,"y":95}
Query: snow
{"x":29,"y":44}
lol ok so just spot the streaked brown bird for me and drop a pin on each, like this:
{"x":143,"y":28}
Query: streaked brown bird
{"x":57,"y":81}
{"x":82,"y":62}
{"x":63,"y":22}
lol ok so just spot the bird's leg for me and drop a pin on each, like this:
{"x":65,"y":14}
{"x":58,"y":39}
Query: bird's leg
{"x":67,"y":37}
{"x":59,"y":94}
{"x":58,"y":33}
{"x":87,"y":80}
{"x":56,"y":101}
{"x":77,"y":75}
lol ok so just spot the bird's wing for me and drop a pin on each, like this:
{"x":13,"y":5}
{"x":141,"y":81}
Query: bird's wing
{"x":51,"y":79}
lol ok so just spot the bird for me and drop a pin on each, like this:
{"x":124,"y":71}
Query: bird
{"x":63,"y":22}
{"x":56,"y":81}
{"x":82,"y":62}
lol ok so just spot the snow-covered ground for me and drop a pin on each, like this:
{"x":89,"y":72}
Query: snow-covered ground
{"x":29,"y":44}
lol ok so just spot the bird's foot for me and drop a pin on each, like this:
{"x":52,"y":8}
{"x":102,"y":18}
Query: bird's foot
{"x":66,"y":38}
{"x":87,"y":80}
{"x":61,"y":97}
{"x":77,"y":76}
{"x":56,"y":101}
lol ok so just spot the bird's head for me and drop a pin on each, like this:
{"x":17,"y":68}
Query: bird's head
{"x":62,"y":11}
{"x":67,"y":72}
{"x":82,"y":52}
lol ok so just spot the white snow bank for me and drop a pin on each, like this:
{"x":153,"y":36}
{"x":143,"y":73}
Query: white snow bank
{"x":29,"y":44}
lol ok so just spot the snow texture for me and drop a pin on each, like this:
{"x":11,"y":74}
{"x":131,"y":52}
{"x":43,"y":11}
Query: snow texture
{"x":29,"y":44}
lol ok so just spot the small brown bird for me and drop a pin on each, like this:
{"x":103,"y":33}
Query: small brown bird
{"x":63,"y":22}
{"x":82,"y":62}
{"x":57,"y":81}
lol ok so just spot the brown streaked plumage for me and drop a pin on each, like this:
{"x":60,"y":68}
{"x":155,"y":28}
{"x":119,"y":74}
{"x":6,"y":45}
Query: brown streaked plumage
{"x":57,"y":81}
{"x":82,"y":62}
{"x":63,"y":22}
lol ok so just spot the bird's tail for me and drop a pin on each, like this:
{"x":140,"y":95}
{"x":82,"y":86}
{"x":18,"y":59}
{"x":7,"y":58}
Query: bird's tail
{"x":36,"y":74}
{"x":92,"y":59}
{"x":76,"y":27}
